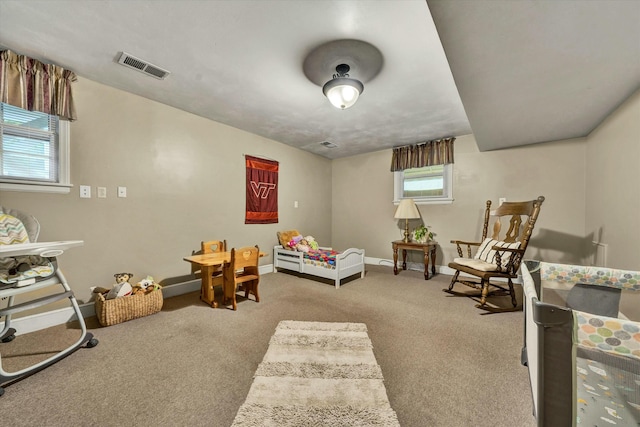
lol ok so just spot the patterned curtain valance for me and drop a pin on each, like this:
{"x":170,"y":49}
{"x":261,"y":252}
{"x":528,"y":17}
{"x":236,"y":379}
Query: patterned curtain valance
{"x":34,"y":86}
{"x":437,"y":152}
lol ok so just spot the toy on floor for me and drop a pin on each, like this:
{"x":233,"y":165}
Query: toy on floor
{"x":124,"y":288}
{"x":145,"y":286}
{"x":120,"y":289}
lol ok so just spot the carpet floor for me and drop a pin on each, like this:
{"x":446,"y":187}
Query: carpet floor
{"x":444,"y":362}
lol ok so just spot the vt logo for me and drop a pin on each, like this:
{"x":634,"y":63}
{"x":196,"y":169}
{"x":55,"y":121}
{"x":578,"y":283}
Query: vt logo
{"x":262,"y":189}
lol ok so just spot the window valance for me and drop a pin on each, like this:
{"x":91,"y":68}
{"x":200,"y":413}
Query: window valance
{"x":436,"y":152}
{"x":35,"y":86}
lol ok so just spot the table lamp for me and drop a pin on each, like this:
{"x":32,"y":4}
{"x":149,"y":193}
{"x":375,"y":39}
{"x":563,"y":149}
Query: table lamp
{"x":406,"y":210}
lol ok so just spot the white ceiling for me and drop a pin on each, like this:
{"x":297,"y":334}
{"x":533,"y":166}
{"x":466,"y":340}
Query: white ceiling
{"x":525,"y":71}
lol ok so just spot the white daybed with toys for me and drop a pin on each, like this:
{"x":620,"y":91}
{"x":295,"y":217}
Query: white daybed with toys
{"x":314,"y":260}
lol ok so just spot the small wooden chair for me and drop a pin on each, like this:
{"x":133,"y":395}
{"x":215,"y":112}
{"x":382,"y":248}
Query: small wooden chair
{"x":499,"y":256}
{"x":209,"y":247}
{"x":242,"y":270}
{"x":213,"y":246}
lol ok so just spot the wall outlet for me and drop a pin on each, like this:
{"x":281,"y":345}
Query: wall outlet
{"x":501,"y":200}
{"x":85,"y":192}
{"x":122,"y":191}
{"x":102,"y":192}
{"x":295,"y":204}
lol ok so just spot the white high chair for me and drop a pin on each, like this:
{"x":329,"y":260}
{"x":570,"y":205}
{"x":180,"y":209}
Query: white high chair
{"x":25,"y":267}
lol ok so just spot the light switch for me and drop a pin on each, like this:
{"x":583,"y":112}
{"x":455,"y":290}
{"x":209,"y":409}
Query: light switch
{"x":122,"y":191}
{"x":295,"y":204}
{"x":85,"y":192}
{"x":102,"y":192}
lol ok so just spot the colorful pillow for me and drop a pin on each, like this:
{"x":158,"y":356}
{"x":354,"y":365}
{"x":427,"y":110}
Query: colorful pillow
{"x":486,"y":253}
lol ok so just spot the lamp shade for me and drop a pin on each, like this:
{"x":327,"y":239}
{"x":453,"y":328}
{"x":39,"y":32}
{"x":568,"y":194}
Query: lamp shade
{"x":407,"y":209}
{"x":343,"y":92}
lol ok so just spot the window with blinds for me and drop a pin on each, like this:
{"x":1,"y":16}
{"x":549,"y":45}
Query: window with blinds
{"x":34,"y":151}
{"x":429,"y":184}
{"x":28,"y":144}
{"x":424,"y":182}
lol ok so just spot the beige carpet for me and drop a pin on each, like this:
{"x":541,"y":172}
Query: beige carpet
{"x":445,"y":363}
{"x":320,"y":374}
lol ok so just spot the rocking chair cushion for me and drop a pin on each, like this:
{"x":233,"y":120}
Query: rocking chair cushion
{"x":487,"y":254}
{"x":476,"y":264}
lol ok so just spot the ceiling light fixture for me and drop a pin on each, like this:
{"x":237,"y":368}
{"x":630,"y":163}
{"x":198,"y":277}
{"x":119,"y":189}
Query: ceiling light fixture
{"x":342,"y":91}
{"x":341,"y":57}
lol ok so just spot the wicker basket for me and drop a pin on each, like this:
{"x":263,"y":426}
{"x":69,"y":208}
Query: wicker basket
{"x":113,"y":311}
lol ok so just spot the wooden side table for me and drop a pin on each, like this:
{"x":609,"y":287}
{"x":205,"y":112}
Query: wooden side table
{"x":429,"y":249}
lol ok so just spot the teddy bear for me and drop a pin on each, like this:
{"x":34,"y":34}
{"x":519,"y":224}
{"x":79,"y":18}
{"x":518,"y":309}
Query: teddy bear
{"x":122,"y":287}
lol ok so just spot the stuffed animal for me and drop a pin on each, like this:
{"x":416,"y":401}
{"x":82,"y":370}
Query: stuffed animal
{"x":295,"y":240}
{"x":303,"y":246}
{"x":312,"y":242}
{"x":122,"y":287}
{"x":122,"y":277}
{"x":145,"y":286}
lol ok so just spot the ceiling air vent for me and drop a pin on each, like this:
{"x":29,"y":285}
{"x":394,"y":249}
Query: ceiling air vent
{"x":142,"y":66}
{"x":328,"y":144}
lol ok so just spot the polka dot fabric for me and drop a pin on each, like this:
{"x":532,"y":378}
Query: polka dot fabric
{"x":613,"y":278}
{"x":608,"y":334}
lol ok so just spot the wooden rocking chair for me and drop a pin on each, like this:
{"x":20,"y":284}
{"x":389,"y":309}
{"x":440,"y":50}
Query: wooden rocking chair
{"x":498,"y":256}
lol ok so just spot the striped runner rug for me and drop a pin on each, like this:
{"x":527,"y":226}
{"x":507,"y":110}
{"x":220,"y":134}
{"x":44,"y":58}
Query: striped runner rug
{"x":317,"y":374}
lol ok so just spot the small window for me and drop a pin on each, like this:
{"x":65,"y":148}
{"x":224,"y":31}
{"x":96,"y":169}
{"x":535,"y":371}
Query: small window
{"x":34,"y":151}
{"x":429,"y":184}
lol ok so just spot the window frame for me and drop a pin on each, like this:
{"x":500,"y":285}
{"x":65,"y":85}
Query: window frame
{"x":447,"y":198}
{"x":63,"y":184}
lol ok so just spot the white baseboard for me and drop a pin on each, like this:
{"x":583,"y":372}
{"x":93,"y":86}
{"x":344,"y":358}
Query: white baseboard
{"x":35,"y":322}
{"x":418,"y":266}
{"x":413,"y":266}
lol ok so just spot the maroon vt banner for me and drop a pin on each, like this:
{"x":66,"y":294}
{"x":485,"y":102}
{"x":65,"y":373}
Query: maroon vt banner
{"x":262,"y":191}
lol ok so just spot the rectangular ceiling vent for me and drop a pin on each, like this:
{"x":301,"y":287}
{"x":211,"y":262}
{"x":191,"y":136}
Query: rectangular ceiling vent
{"x":142,"y":66}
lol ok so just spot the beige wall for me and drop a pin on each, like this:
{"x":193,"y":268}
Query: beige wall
{"x":590,"y":185}
{"x":362,"y":213}
{"x":613,"y":185}
{"x":185,"y":178}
